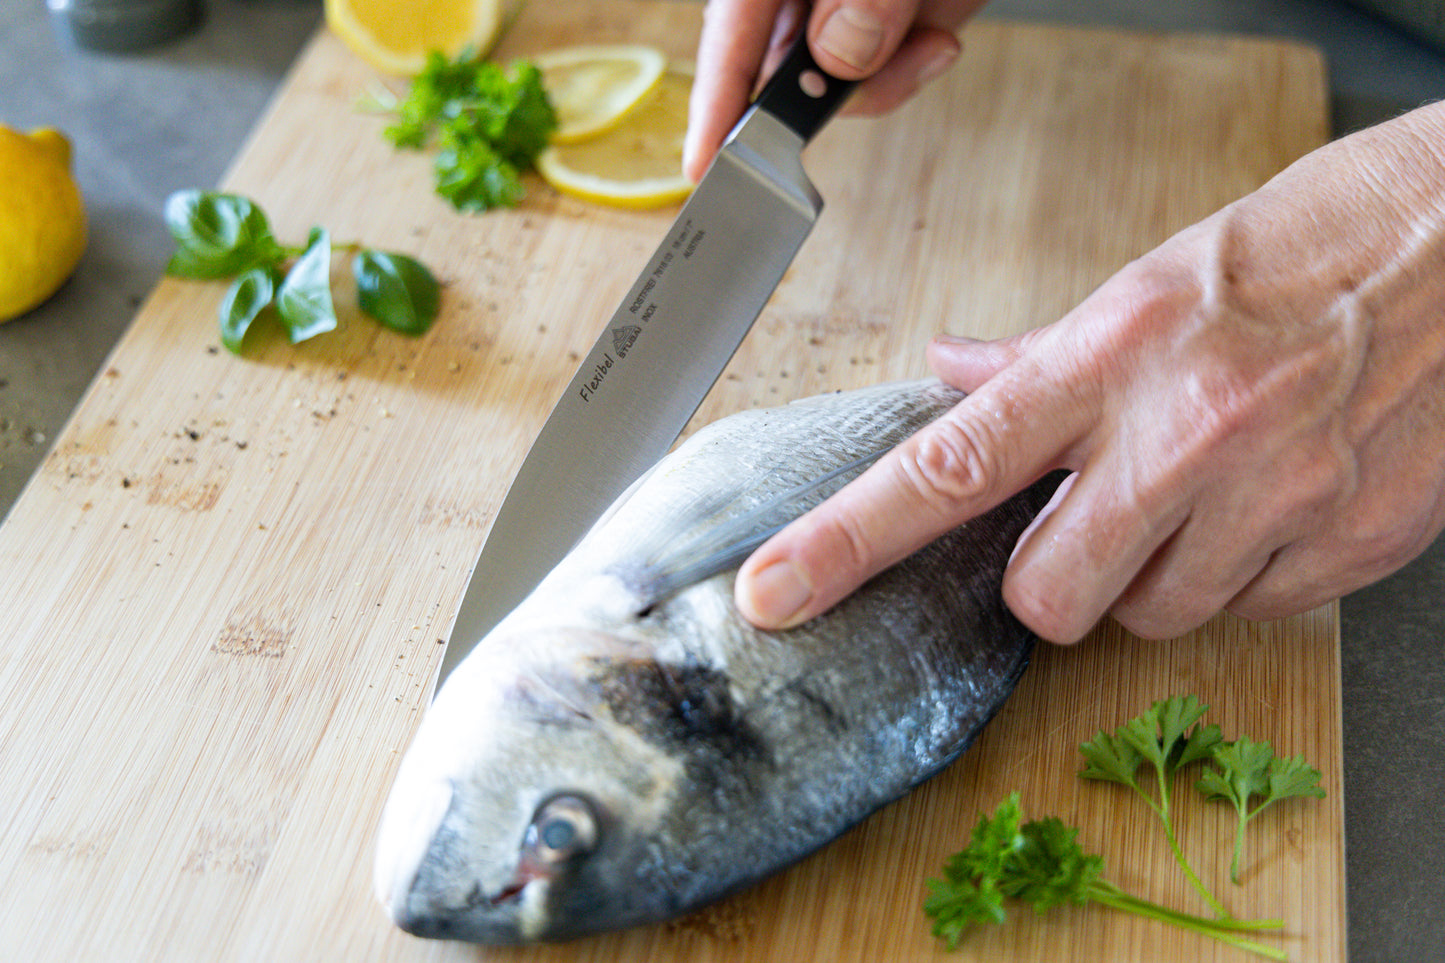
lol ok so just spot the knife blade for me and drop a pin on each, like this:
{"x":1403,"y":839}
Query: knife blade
{"x":663,"y":348}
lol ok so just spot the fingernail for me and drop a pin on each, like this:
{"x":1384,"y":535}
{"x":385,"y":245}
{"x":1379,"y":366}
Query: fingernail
{"x":853,"y":36}
{"x":779,"y":592}
{"x":935,"y":67}
{"x":943,"y":337}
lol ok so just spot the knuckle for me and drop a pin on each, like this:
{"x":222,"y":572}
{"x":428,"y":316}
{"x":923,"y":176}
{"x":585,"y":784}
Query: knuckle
{"x":1379,"y":538}
{"x":1153,"y":287}
{"x":1137,"y":304}
{"x":1258,"y":607}
{"x":849,"y":549}
{"x":1276,"y":597}
{"x":1162,"y":618}
{"x":1294,"y":581}
{"x":950,"y":467}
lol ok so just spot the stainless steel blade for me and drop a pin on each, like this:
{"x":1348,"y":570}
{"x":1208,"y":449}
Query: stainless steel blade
{"x":656,"y":359}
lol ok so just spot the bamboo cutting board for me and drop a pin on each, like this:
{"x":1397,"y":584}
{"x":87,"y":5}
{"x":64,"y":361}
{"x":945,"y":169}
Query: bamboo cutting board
{"x":225,"y":588}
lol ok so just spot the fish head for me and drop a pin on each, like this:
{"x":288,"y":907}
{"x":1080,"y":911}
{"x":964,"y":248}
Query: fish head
{"x":546,"y":792}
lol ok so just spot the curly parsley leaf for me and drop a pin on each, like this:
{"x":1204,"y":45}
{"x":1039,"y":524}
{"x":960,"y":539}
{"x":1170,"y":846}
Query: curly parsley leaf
{"x":1040,"y":862}
{"x":517,"y":115}
{"x":1051,"y":868}
{"x":957,"y":905}
{"x":472,"y":175}
{"x":489,"y":125}
{"x":969,"y":893}
{"x":441,"y":82}
{"x":1247,"y":769}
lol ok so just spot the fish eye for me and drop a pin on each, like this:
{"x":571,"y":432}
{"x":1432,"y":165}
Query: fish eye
{"x":563,"y":827}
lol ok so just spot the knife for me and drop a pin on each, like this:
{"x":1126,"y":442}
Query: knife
{"x":663,"y":348}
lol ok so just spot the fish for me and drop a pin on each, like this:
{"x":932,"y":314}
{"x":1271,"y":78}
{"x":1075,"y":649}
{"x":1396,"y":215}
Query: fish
{"x":624,"y":748}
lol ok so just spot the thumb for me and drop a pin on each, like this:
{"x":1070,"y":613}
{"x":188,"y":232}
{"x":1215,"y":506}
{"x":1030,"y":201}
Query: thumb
{"x":966,"y":363}
{"x":852,"y":39}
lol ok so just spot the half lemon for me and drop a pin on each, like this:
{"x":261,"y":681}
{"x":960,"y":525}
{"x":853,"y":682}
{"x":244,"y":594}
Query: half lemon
{"x":394,"y":36}
{"x":637,"y":163}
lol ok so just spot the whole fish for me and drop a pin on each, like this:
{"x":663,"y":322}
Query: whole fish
{"x":624,"y":748}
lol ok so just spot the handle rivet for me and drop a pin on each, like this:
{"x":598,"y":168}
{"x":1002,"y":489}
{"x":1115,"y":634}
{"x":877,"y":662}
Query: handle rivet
{"x":813,"y":83}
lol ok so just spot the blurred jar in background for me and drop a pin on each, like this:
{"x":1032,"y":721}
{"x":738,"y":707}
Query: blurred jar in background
{"x":124,"y":25}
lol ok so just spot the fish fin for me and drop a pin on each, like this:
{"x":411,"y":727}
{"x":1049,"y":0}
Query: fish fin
{"x":727,"y":545}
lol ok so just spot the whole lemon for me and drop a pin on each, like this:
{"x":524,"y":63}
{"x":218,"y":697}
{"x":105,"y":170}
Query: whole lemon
{"x":42,"y":218}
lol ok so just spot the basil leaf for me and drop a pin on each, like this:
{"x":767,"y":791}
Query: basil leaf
{"x":247,"y":298}
{"x":217,"y":235}
{"x":396,"y":290}
{"x":304,"y":300}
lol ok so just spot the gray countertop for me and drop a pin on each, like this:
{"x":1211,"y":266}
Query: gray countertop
{"x":173,"y":117}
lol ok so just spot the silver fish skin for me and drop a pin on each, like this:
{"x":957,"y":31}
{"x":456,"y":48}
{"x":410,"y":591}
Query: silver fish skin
{"x":624,"y":748}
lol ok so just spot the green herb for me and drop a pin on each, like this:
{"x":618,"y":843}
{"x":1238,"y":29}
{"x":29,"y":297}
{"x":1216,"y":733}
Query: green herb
{"x":304,"y":299}
{"x":1167,"y":737}
{"x":244,"y":302}
{"x":217,"y":235}
{"x":226,"y":235}
{"x":473,"y":176}
{"x":441,"y":82}
{"x":488,"y":124}
{"x":1247,"y":769}
{"x":1040,"y":863}
{"x":395,"y":290}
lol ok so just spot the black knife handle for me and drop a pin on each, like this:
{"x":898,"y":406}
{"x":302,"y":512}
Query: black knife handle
{"x":800,"y":94}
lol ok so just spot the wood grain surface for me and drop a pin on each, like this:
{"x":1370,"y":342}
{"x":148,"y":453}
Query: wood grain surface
{"x":224,"y":592}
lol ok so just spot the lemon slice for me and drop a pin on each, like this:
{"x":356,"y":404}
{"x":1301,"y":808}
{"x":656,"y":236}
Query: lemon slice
{"x":394,"y":36}
{"x":593,"y":87}
{"x":638,"y":162}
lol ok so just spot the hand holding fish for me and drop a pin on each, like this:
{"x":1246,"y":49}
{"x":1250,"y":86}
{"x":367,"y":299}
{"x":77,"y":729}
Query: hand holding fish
{"x":898,"y":45}
{"x":1254,"y":414}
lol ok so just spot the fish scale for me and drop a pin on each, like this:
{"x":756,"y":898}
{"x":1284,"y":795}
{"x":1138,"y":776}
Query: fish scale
{"x":690,"y":754}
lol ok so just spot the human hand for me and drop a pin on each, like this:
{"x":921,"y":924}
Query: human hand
{"x":897,"y":44}
{"x":1254,"y":415}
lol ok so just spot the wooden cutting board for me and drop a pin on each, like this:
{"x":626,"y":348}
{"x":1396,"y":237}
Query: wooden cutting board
{"x":223,"y":592}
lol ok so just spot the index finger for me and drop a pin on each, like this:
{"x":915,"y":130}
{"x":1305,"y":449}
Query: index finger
{"x":735,"y":37}
{"x":995,"y":442}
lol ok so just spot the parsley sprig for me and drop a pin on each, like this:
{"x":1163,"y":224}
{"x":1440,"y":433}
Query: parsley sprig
{"x":1168,"y":737}
{"x":222,"y":235}
{"x":1245,"y":769}
{"x":487,"y":123}
{"x":1041,"y":863}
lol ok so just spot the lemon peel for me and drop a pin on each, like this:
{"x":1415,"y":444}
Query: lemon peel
{"x":42,"y":218}
{"x":637,"y":163}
